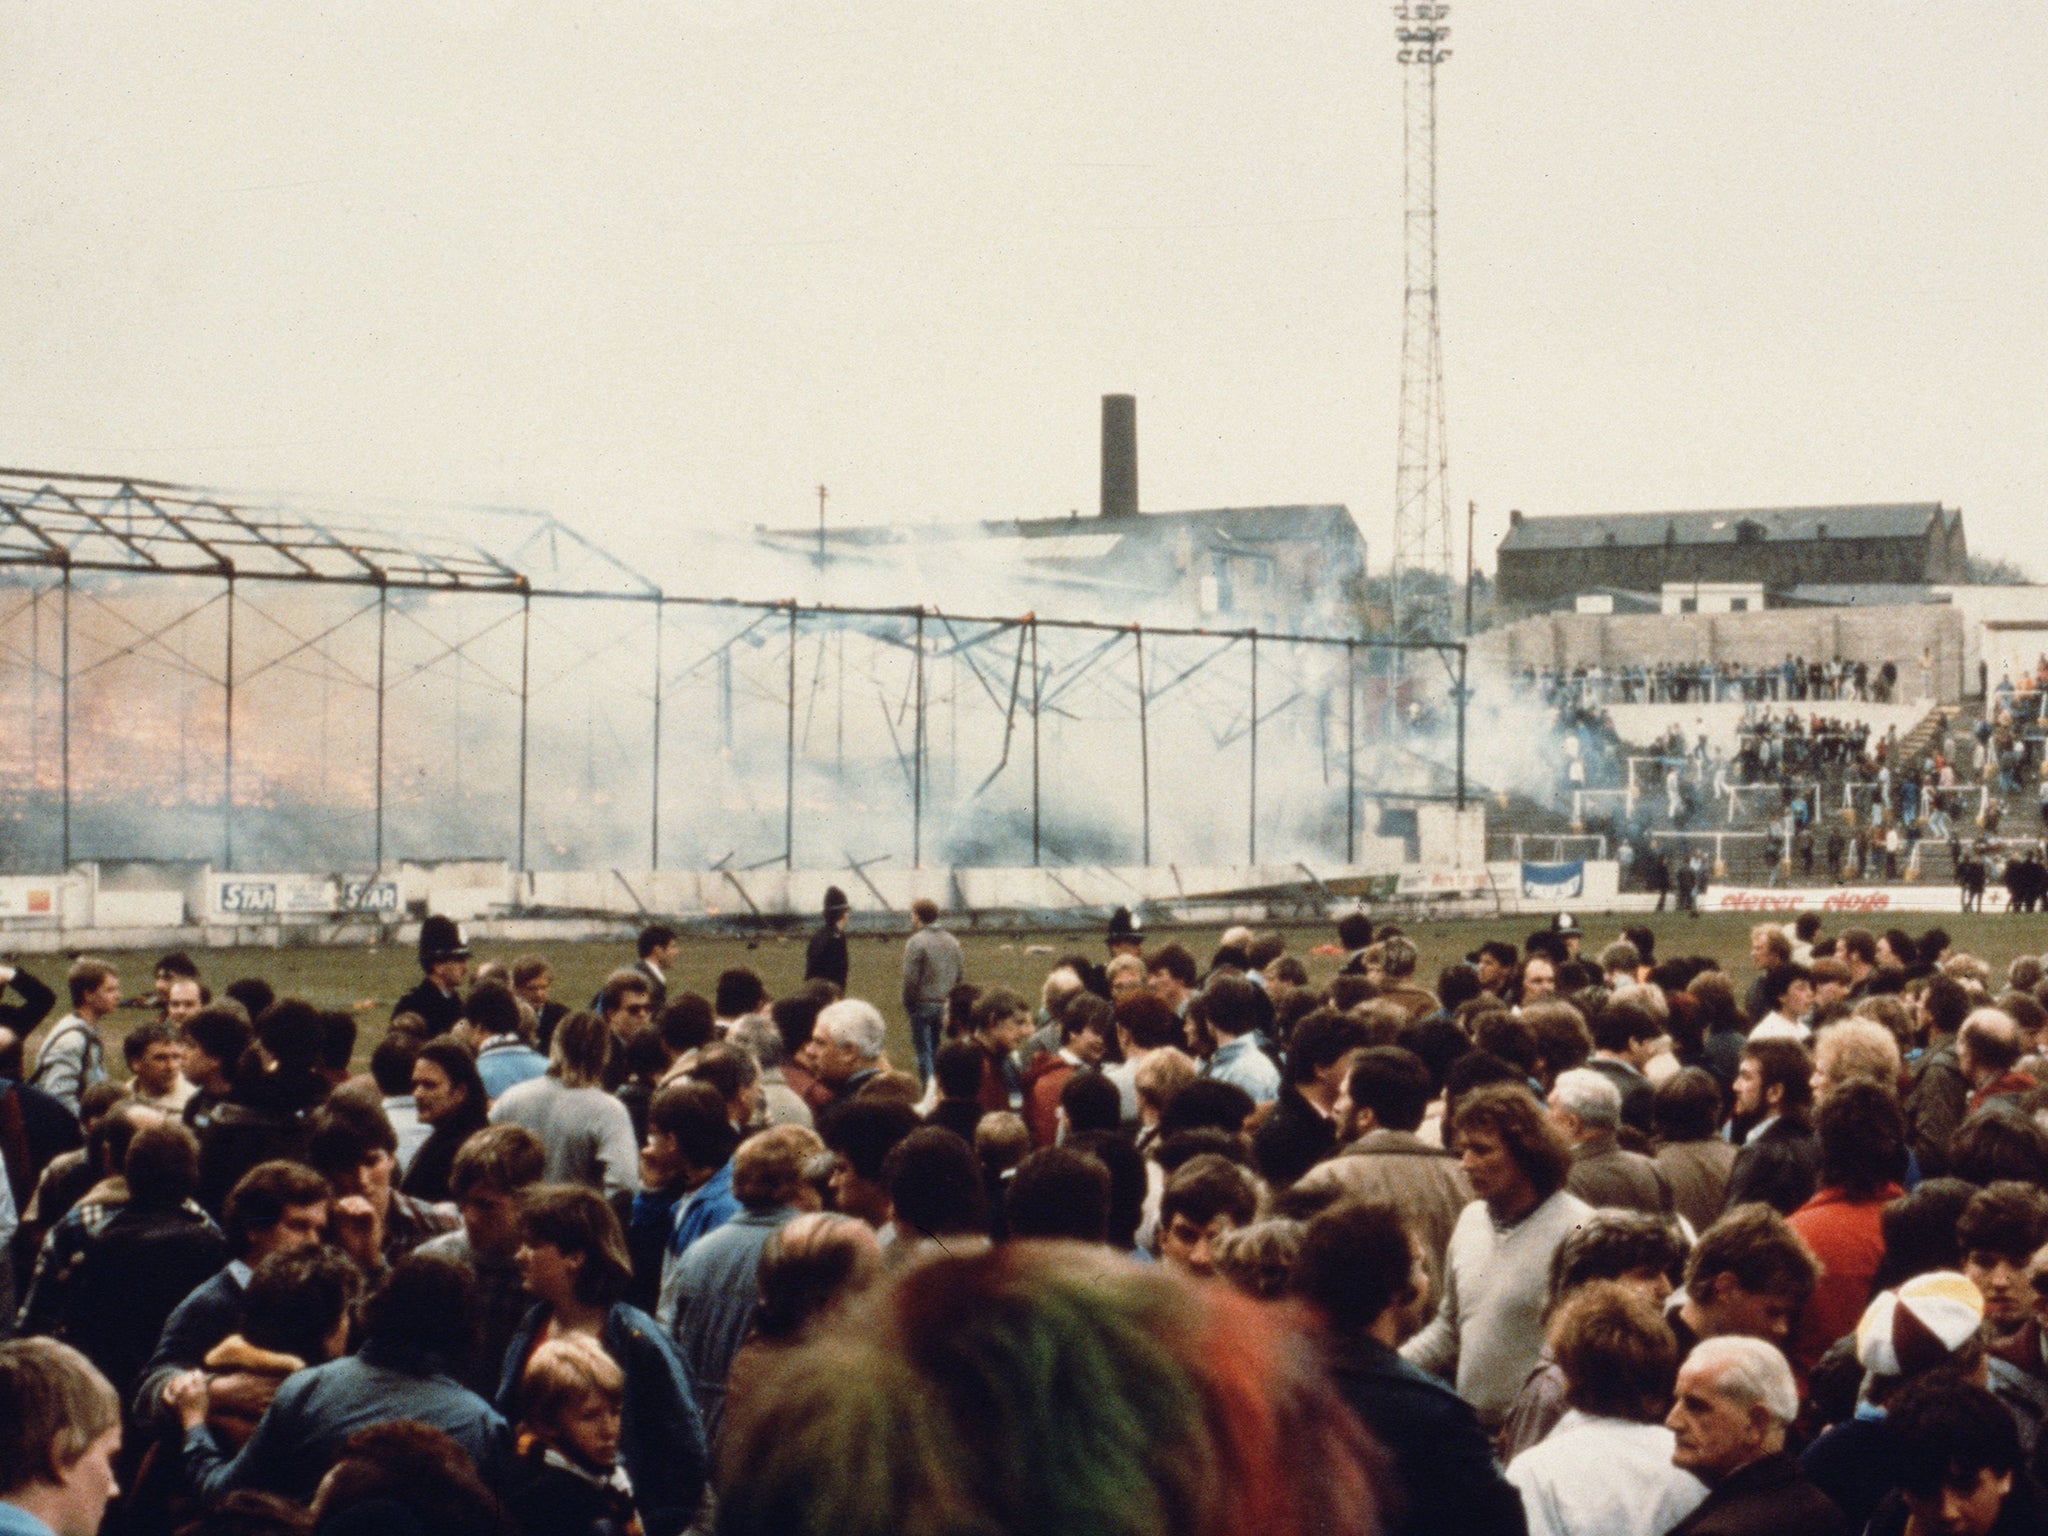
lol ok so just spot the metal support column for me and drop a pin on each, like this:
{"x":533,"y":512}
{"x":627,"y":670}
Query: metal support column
{"x":1034,"y":740}
{"x":1471,"y":519}
{"x":654,"y":794}
{"x":227,"y":791}
{"x":64,"y":707}
{"x":1252,"y":856}
{"x":789,"y":757}
{"x":525,"y":660}
{"x":725,"y":696}
{"x":1461,"y":728}
{"x":1144,"y":746}
{"x":35,"y":691}
{"x":383,"y":614}
{"x":917,"y":759}
{"x":1350,"y":752}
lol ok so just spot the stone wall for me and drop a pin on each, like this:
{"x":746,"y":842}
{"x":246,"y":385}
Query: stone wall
{"x":1870,"y":635}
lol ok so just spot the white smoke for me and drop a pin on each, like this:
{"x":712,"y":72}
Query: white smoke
{"x":1333,"y":731}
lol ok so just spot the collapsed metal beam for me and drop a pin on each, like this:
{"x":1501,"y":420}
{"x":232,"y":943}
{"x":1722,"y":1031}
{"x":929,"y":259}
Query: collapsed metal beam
{"x":140,"y":529}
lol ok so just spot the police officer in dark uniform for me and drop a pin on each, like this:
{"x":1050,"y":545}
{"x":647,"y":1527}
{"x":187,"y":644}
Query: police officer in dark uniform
{"x":826,"y":959}
{"x":445,"y":959}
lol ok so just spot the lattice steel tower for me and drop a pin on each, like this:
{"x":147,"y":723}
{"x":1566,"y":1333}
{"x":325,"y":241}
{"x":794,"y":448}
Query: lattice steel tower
{"x":1422,"y":505}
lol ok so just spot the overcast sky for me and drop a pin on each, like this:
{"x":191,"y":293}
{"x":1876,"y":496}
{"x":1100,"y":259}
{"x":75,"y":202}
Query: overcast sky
{"x":667,"y":266}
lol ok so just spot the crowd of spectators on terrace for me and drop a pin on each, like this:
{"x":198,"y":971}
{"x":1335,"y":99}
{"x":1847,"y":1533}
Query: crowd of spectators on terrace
{"x":1705,"y":682}
{"x":1564,"y":1242}
{"x":1819,"y":795}
{"x":2019,"y":698}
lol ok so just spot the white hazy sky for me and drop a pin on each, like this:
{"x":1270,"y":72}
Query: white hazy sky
{"x":662,"y":267}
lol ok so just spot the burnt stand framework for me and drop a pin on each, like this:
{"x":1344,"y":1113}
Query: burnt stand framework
{"x":194,"y":677}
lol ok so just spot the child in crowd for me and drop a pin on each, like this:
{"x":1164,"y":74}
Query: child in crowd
{"x":566,"y":1480}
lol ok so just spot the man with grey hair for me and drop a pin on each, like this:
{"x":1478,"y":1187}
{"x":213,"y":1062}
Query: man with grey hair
{"x":1734,"y":1400}
{"x":1988,"y":1049}
{"x":780,"y":1104}
{"x":846,"y":1045}
{"x":1585,"y":1106}
{"x":1062,"y":985}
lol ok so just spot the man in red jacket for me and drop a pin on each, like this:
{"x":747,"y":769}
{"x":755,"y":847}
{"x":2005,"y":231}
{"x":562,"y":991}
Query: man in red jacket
{"x":1862,"y":1158}
{"x":1084,"y":1041}
{"x":1001,"y":1023}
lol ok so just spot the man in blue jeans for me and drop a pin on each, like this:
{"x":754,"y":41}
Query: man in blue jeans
{"x":931,"y":970}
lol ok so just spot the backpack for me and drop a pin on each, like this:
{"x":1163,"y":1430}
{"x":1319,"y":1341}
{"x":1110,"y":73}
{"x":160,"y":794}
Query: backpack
{"x":95,"y":1052}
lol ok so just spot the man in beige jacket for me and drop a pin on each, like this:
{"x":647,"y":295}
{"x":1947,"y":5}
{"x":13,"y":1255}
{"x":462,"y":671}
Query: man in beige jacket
{"x":1377,"y":1115}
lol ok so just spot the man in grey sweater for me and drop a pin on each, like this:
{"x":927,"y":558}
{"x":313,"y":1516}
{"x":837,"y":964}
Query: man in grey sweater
{"x":932,"y":967}
{"x":73,"y":1056}
{"x":1488,"y":1329}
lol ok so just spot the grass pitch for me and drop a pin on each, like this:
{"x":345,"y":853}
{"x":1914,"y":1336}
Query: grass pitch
{"x":367,"y":979}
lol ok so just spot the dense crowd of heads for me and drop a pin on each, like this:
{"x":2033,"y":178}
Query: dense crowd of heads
{"x":1576,"y":1238}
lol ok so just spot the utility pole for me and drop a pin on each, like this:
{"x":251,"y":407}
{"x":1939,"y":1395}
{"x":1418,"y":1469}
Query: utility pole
{"x":1471,"y":520}
{"x":822,"y":493}
{"x":1422,"y":513}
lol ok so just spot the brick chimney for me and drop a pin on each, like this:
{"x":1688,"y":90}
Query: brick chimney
{"x":1119,"y":455}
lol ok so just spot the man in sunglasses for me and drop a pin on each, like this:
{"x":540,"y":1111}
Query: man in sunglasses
{"x":626,"y":1003}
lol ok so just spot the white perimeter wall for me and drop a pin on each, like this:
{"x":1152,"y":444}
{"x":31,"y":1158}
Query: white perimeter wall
{"x":165,"y":905}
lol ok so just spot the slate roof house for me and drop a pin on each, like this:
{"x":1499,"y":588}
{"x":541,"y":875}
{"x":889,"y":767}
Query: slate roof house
{"x":1546,"y":561}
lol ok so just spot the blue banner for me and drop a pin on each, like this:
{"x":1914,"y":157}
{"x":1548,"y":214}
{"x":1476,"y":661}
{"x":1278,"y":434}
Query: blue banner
{"x":1553,"y":882}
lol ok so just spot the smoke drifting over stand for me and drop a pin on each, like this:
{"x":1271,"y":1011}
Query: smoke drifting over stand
{"x":612,"y":724}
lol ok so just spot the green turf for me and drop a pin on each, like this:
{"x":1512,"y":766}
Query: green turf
{"x":368,"y":979}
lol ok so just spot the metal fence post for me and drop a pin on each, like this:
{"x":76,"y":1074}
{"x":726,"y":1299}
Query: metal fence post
{"x":654,"y":792}
{"x":64,"y":708}
{"x":917,"y":759}
{"x":227,"y":791}
{"x":1034,"y":739}
{"x":1350,"y":751}
{"x":35,"y":691}
{"x":789,"y":756}
{"x":1461,"y":728}
{"x":1252,"y":853}
{"x":383,"y":612}
{"x":1144,"y":745}
{"x":525,"y":660}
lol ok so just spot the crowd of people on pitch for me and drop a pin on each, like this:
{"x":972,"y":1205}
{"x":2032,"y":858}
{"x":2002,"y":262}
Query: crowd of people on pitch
{"x":1565,"y":1243}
